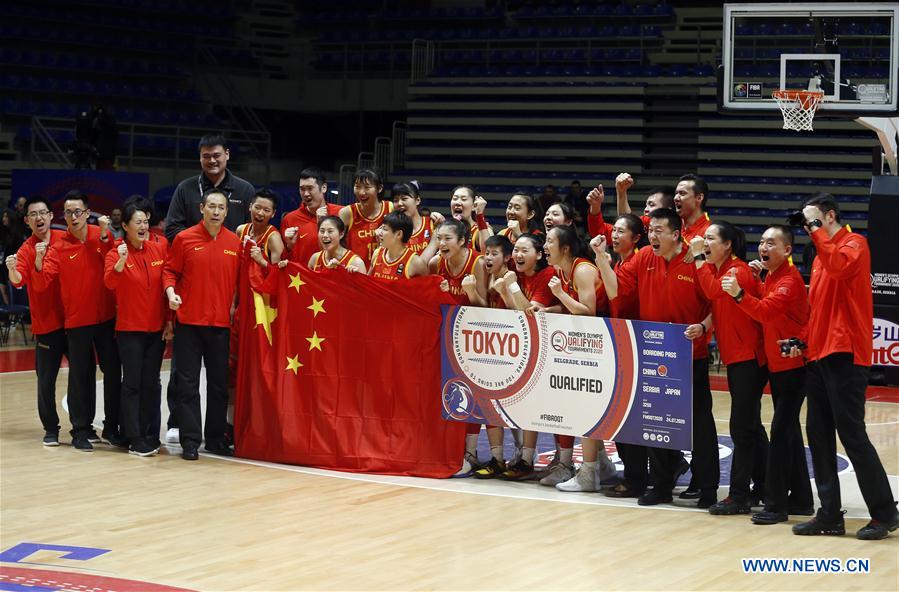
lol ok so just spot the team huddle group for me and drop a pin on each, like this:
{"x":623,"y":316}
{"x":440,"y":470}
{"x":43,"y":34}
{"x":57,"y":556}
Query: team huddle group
{"x":97,"y":299}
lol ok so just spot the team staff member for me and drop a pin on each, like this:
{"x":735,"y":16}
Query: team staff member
{"x":782,"y":309}
{"x":691,"y":198}
{"x":394,"y":259}
{"x":657,"y":197}
{"x":76,"y":262}
{"x":627,"y":233}
{"x":720,"y":254}
{"x":365,"y":216}
{"x":668,"y":291}
{"x":839,"y":353}
{"x":185,"y":207}
{"x":300,"y":227}
{"x":46,"y":309}
{"x":133,"y":271}
{"x":200,"y":280}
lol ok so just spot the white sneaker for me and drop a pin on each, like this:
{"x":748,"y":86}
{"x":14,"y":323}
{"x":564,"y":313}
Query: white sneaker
{"x":558,"y":474}
{"x":173,"y":436}
{"x":607,"y":470}
{"x":585,"y":480}
{"x":468,"y":466}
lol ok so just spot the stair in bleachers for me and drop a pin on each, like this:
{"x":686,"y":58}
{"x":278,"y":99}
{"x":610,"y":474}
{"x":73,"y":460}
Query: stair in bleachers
{"x":268,"y":27}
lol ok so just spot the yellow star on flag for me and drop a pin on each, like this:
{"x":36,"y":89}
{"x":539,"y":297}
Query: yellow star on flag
{"x":293,"y":363}
{"x":315,"y":341}
{"x":317,"y":306}
{"x":296,"y":282}
{"x":265,"y":314}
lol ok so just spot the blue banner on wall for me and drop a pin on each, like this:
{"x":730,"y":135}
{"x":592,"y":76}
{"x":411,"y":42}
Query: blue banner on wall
{"x":609,"y":379}
{"x":105,"y":189}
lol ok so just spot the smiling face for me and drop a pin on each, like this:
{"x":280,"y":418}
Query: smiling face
{"x":261,"y":211}
{"x":214,"y":210}
{"x":495,"y":261}
{"x":328,"y":235}
{"x":38,"y":218}
{"x":623,"y":240}
{"x":312,"y":194}
{"x":518,"y":210}
{"x":366,"y":191}
{"x":552,"y":249}
{"x":214,"y":160}
{"x":406,"y":204}
{"x":525,"y":256}
{"x":137,"y":230}
{"x":716,"y":249}
{"x":448,"y":242}
{"x":554,"y":217}
{"x":462,"y":203}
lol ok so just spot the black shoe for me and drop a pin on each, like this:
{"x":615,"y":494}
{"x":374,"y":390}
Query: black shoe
{"x":623,"y":489}
{"x":817,"y":526}
{"x":114,"y":439}
{"x":93,"y":438}
{"x":51,"y":439}
{"x":681,"y":470}
{"x":143,"y":449}
{"x":769,"y":517}
{"x":707,"y":499}
{"x":797,"y":511}
{"x":220,"y":449}
{"x":690,"y":493}
{"x":520,"y":470}
{"x":654,"y":498}
{"x":876,"y":530}
{"x":729,"y":507}
{"x":494,"y":468}
{"x":82,"y":444}
{"x":190,"y":454}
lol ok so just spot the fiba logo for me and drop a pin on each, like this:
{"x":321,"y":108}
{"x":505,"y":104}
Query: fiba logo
{"x":559,"y":341}
{"x":458,"y":400}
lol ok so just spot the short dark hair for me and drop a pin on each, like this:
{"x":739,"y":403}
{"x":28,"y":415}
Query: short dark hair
{"x":460,"y":228}
{"x":667,"y":194}
{"x":266,"y":193}
{"x":76,"y":194}
{"x":501,"y":241}
{"x":400,"y":221}
{"x":313,"y":173}
{"x":411,"y":188}
{"x":210,"y":140}
{"x":824,"y":202}
{"x":213,"y":191}
{"x":785,"y":231}
{"x":35,"y":199}
{"x":674,"y":221}
{"x":371,"y":175}
{"x":338,"y":224}
{"x":699,"y":186}
{"x":134,"y":204}
{"x":568,"y":237}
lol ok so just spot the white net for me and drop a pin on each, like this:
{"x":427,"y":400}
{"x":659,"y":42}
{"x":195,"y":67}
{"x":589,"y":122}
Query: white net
{"x":798,"y":107}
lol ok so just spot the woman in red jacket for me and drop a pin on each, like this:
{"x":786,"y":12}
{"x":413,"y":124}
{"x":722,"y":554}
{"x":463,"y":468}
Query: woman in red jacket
{"x":740,"y":343}
{"x":133,"y":271}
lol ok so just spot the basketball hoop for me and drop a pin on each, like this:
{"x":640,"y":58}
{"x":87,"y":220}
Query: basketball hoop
{"x":798,"y":107}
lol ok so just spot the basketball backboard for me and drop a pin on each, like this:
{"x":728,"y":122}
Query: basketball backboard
{"x":850,"y":51}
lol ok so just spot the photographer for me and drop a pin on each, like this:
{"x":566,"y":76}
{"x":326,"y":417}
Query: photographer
{"x":839,"y":354}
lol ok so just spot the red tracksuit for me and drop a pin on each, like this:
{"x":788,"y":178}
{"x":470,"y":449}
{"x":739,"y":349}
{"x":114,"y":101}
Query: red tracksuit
{"x":307,"y":231}
{"x":45,"y":306}
{"x":140,"y":300}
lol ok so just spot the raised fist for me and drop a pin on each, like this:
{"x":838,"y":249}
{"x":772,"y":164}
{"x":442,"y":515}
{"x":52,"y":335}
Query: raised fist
{"x":11,"y":262}
{"x":321,"y":212}
{"x":123,"y":251}
{"x":624,"y":181}
{"x":40,"y":250}
{"x":555,"y":285}
{"x":697,"y":245}
{"x":480,"y":204}
{"x":598,"y":244}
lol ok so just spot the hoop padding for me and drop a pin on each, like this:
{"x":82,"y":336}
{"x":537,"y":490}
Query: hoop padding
{"x":798,"y":107}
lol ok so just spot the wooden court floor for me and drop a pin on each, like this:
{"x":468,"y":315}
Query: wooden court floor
{"x":222,"y":524}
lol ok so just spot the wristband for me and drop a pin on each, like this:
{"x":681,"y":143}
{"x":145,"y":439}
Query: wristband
{"x":704,"y":330}
{"x":739,"y":295}
{"x":482,"y":222}
{"x":514,"y":288}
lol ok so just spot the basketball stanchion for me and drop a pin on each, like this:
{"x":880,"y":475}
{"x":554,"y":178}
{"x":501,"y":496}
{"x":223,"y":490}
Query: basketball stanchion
{"x":798,"y":107}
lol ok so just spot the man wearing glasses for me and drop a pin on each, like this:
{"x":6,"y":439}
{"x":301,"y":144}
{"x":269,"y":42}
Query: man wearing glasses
{"x":184,"y":212}
{"x":46,"y":311}
{"x":75,"y":263}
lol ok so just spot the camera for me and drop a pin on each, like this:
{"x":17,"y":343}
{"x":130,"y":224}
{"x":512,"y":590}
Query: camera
{"x":790,"y":344}
{"x":796,"y":219}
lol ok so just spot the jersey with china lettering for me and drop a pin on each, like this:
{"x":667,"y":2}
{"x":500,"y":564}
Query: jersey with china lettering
{"x":360,"y":231}
{"x":383,"y":269}
{"x":419,"y":241}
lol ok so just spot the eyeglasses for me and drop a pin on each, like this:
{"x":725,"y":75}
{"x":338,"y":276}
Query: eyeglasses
{"x":74,"y":213}
{"x":35,"y":215}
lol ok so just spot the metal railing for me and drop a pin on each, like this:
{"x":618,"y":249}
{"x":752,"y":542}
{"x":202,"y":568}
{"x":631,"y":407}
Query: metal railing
{"x":422,"y":59}
{"x":45,"y":148}
{"x":345,"y":175}
{"x":398,"y":146}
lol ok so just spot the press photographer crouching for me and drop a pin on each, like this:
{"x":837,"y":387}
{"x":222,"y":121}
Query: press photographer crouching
{"x":839,"y":361}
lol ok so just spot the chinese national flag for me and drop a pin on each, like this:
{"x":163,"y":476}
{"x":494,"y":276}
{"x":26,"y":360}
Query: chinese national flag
{"x":351,"y":377}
